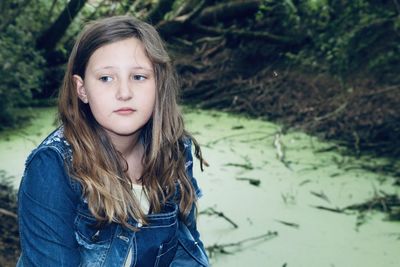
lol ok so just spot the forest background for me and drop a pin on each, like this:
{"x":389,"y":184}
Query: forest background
{"x":327,"y":67}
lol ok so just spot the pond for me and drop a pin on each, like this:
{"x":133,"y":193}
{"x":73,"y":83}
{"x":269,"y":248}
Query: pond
{"x":270,"y":198}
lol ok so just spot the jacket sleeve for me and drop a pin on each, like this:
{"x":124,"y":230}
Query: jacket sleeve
{"x":46,"y":212}
{"x":191,"y":220}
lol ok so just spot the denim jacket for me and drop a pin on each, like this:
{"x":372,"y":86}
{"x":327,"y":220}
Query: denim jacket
{"x":57,"y":228}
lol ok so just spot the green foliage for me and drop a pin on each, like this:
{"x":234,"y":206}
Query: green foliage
{"x":281,"y":15}
{"x":356,"y":38}
{"x":345,"y":38}
{"x":21,"y":69}
{"x":178,"y":4}
{"x":22,"y":66}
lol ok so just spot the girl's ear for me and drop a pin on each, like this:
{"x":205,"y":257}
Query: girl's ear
{"x":80,"y":89}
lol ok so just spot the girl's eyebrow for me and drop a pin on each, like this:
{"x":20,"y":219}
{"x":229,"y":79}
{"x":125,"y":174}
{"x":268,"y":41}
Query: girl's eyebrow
{"x":142,"y":68}
{"x":113,"y":67}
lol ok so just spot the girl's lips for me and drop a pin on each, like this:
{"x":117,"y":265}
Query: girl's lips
{"x":124,"y":111}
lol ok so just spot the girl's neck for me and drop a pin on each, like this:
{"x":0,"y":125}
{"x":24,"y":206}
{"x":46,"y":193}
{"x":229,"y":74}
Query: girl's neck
{"x":126,"y":145}
{"x":132,"y":150}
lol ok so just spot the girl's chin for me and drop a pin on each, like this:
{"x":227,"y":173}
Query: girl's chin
{"x":123,"y":132}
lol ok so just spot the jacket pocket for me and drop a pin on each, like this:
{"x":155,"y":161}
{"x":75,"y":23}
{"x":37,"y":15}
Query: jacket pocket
{"x":166,"y":252}
{"x":89,"y":235}
{"x":94,"y":242}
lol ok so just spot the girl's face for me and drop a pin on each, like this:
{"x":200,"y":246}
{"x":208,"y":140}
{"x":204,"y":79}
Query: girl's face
{"x":119,"y":87}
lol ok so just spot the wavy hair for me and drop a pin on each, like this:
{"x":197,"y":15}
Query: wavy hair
{"x":96,"y":164}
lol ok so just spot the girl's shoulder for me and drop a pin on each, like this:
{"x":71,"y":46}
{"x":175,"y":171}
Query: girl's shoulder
{"x":49,"y":162}
{"x":56,"y":142}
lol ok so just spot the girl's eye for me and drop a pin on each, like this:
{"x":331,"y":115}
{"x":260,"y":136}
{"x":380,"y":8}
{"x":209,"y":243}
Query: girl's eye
{"x":139,"y":77}
{"x":105,"y":78}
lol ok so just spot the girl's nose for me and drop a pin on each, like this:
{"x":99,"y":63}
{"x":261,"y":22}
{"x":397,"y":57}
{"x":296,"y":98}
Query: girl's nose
{"x":124,"y":91}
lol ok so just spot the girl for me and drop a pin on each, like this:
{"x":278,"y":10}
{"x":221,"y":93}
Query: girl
{"x":113,"y":185}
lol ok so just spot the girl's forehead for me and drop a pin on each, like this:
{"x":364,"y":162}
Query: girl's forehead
{"x":124,"y":53}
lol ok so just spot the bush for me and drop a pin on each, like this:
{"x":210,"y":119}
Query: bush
{"x":22,"y":68}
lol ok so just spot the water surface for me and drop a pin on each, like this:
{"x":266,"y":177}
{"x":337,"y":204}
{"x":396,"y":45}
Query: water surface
{"x":290,"y":177}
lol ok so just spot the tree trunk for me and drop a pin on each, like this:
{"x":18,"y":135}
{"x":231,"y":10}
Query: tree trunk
{"x":49,"y":39}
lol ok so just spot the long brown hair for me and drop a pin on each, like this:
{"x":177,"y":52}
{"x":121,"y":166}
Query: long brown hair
{"x":96,"y":164}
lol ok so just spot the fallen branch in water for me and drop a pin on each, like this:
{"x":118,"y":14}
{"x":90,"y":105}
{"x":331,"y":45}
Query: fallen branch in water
{"x":280,"y":149}
{"x":294,"y":225}
{"x":337,"y":210}
{"x":382,"y":201}
{"x":236,"y":246}
{"x":252,"y":181}
{"x":224,"y":138}
{"x":321,"y":195}
{"x":211,"y":211}
{"x":246,"y":166}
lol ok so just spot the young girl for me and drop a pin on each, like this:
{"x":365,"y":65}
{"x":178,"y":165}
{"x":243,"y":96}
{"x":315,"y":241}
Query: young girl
{"x":113,"y":185}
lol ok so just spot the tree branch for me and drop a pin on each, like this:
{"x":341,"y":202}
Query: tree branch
{"x":263,"y":36}
{"x":228,"y":11}
{"x":178,"y":24}
{"x":158,"y":12}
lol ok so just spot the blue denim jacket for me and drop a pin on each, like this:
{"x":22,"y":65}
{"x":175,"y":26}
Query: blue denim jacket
{"x":57,"y":228}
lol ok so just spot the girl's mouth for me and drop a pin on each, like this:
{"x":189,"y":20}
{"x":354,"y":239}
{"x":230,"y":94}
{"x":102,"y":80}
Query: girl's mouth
{"x":124,"y":111}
